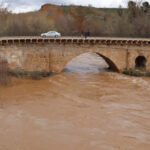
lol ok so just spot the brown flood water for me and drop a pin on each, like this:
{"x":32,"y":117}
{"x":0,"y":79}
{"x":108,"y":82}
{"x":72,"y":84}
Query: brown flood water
{"x":87,"y":110}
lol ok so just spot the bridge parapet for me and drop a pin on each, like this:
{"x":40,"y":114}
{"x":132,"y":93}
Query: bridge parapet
{"x":101,"y":41}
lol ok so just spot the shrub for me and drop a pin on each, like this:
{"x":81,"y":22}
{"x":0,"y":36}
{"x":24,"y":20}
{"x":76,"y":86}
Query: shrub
{"x":4,"y":76}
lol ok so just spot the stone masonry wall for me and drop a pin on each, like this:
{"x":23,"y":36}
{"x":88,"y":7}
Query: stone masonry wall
{"x":46,"y":57}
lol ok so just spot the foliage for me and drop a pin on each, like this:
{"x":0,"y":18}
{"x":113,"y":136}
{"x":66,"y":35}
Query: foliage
{"x":4,"y":76}
{"x":34,"y":75}
{"x":133,"y":21}
{"x":136,"y":72}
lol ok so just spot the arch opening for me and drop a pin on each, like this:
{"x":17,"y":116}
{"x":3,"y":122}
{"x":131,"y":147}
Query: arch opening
{"x":140,"y":63}
{"x":90,"y":62}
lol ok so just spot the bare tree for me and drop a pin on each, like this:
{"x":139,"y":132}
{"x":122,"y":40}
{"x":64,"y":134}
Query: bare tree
{"x":145,"y":7}
{"x":4,"y":76}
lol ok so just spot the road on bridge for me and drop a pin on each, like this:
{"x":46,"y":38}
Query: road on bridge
{"x":73,"y":37}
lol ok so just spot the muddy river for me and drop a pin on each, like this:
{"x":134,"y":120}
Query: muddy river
{"x":83,"y":108}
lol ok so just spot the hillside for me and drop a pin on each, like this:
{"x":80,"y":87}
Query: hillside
{"x":79,"y":10}
{"x":75,"y":20}
{"x":84,"y":18}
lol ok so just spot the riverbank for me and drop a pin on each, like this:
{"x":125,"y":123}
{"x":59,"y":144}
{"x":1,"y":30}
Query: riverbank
{"x":36,"y":75}
{"x":136,"y":72}
{"x":5,"y":76}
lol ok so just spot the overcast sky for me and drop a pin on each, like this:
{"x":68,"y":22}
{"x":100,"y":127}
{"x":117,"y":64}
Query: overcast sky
{"x":29,"y":5}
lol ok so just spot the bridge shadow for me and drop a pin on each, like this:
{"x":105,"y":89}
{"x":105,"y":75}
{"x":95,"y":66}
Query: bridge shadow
{"x":90,"y":62}
{"x":112,"y":66}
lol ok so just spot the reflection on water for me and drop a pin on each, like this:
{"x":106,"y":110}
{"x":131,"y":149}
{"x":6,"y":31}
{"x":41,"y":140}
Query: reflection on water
{"x":72,"y":111}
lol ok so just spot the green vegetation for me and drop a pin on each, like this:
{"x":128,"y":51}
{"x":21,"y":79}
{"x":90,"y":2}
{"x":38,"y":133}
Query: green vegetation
{"x":4,"y":75}
{"x":34,"y":75}
{"x":136,"y":72}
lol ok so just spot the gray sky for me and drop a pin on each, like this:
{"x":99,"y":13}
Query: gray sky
{"x":29,"y":5}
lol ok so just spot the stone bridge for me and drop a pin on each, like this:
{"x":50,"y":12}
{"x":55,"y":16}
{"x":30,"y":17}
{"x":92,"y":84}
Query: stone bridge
{"x":52,"y":54}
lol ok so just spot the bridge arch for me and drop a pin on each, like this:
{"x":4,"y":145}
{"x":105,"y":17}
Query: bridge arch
{"x":140,"y":62}
{"x":111,"y":64}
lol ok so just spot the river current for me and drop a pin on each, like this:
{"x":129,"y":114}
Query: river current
{"x":83,"y":108}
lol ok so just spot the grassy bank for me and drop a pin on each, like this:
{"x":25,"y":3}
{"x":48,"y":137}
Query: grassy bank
{"x":136,"y":72}
{"x":4,"y":75}
{"x":36,"y":75}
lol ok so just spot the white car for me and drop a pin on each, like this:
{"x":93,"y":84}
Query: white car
{"x":51,"y":34}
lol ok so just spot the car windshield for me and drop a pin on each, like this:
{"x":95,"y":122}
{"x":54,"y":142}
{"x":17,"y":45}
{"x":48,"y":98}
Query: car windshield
{"x":51,"y":32}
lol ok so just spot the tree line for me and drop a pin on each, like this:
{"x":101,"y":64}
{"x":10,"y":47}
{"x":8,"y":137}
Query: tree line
{"x":133,"y":21}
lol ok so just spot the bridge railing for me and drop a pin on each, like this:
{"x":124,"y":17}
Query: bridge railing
{"x":75,"y":40}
